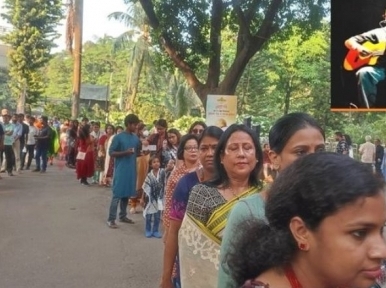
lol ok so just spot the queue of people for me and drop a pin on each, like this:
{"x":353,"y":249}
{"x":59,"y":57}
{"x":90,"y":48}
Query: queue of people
{"x":24,"y":138}
{"x":220,"y":232}
{"x":318,"y":222}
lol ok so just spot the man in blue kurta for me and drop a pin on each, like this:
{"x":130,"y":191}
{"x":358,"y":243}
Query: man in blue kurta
{"x":124,"y":148}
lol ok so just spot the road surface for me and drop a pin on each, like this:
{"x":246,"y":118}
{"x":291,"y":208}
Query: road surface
{"x":53,"y":234}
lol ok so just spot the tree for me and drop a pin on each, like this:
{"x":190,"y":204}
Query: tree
{"x":181,"y":99}
{"x":31,"y":40}
{"x":137,"y":39}
{"x":6,"y":99}
{"x":58,"y":73}
{"x":291,"y":75}
{"x":190,"y":33}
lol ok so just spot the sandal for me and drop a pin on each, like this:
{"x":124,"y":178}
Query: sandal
{"x":126,"y":220}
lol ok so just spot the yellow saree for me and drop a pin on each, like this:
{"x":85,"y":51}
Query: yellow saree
{"x":199,"y":245}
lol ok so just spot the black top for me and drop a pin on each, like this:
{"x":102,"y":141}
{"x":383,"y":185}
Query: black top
{"x":379,"y":151}
{"x":44,"y":143}
{"x":24,"y":133}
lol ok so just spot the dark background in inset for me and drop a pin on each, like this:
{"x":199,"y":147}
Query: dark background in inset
{"x":350,"y":18}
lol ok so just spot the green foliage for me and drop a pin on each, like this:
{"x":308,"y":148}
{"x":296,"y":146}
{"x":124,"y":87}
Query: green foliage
{"x":99,"y":65}
{"x":6,"y":99}
{"x":291,"y":74}
{"x":117,"y":118}
{"x":62,"y":110}
{"x":58,"y":75}
{"x":181,"y":99}
{"x":95,"y":113}
{"x":362,"y":124}
{"x":31,"y":40}
{"x":262,"y":120}
{"x":193,"y":18}
{"x":183,"y":124}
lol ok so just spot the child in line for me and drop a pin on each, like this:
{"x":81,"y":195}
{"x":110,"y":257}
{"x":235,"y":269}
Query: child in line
{"x":153,"y":191}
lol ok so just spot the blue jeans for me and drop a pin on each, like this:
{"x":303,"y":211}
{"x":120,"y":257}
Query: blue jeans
{"x":155,"y":227}
{"x":368,"y":78}
{"x":114,"y":207}
{"x":41,"y":152}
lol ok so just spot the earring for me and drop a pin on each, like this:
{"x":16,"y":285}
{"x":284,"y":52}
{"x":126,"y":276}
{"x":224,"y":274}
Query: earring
{"x":302,"y":246}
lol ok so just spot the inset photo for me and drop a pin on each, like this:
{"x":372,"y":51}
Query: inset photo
{"x":358,"y":58}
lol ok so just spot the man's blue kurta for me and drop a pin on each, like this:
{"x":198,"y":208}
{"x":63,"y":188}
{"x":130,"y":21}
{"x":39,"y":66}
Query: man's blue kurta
{"x":125,"y":167}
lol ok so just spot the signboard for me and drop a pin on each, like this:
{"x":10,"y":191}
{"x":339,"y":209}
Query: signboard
{"x":221,"y":110}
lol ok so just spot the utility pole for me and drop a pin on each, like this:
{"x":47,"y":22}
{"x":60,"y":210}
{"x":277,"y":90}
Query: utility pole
{"x":77,"y":56}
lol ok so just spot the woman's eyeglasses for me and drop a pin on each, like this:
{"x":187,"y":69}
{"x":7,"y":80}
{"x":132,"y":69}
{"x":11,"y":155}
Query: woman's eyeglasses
{"x":197,"y":131}
{"x":191,"y":148}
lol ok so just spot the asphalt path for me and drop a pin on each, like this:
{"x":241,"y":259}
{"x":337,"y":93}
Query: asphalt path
{"x":53,"y":234}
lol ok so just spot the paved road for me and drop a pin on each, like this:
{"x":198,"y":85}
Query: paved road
{"x":53,"y":234}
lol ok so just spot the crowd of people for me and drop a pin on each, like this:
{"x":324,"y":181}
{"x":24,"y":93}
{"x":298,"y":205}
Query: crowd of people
{"x":24,"y":138}
{"x":371,"y":154}
{"x":233,"y":212}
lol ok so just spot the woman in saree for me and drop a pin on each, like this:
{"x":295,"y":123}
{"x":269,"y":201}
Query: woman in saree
{"x":54,"y":144}
{"x":238,"y":161}
{"x":207,"y":144}
{"x":72,"y":143}
{"x":291,"y":137}
{"x":109,"y":161}
{"x":158,"y":138}
{"x":102,"y":152}
{"x":169,"y":151}
{"x":188,"y":154}
{"x":142,"y":169}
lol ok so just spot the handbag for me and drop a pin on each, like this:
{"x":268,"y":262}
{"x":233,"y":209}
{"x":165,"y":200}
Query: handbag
{"x":81,"y":155}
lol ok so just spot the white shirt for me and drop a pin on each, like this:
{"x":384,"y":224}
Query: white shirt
{"x":97,"y":135}
{"x":32,"y":130}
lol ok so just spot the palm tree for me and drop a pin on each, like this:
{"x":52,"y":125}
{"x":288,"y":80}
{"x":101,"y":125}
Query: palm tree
{"x":181,"y":98}
{"x":138,"y":40}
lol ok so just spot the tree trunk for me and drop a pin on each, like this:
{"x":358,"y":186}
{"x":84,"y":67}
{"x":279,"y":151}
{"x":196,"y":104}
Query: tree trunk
{"x":287,"y":98}
{"x":134,"y":80}
{"x":21,"y":101}
{"x":78,"y":25}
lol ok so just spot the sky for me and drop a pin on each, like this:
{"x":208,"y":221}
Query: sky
{"x":95,"y":22}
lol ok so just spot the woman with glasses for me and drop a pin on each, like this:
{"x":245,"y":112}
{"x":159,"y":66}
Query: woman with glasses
{"x":188,"y":154}
{"x":197,"y":128}
{"x":238,"y":160}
